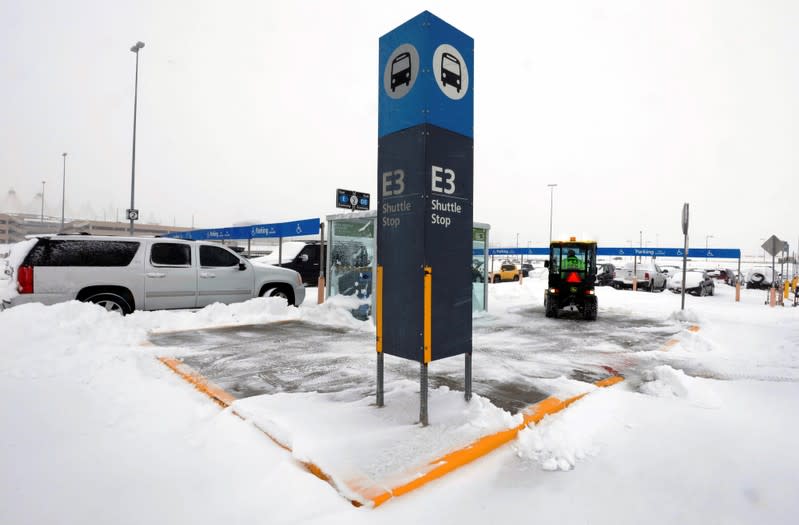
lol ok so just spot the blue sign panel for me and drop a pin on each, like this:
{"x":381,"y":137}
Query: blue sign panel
{"x":425,"y":192}
{"x":711,"y":253}
{"x":717,"y":253}
{"x":257,"y":231}
{"x":426,"y":77}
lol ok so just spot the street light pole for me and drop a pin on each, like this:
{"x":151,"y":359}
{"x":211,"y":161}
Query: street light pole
{"x":43,"y":202}
{"x":551,"y":201}
{"x":135,"y":49}
{"x":63,"y":191}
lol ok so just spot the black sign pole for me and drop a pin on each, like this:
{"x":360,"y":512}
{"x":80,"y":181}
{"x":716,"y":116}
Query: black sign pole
{"x":468,"y":376}
{"x":423,"y":394}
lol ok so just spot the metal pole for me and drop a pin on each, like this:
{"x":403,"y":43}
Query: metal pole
{"x":380,"y":379}
{"x":684,"y":269}
{"x":468,"y":376}
{"x":43,"y":202}
{"x":63,"y":191}
{"x":280,"y":250}
{"x":135,"y":49}
{"x":551,"y":201}
{"x":320,"y":285}
{"x":423,"y":394}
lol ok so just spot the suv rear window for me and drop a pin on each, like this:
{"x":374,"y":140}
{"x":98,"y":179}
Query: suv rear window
{"x":171,"y":254}
{"x":91,"y":252}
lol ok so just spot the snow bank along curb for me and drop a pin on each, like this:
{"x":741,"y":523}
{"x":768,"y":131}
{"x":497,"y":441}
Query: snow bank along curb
{"x":671,"y":342}
{"x":375,"y":495}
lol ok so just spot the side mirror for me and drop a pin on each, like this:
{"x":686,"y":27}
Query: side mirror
{"x":304,"y":257}
{"x":546,"y":264}
{"x":242,"y":266}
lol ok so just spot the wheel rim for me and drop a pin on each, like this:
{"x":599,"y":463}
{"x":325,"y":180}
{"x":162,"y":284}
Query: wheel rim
{"x":110,"y":306}
{"x":282,"y":295}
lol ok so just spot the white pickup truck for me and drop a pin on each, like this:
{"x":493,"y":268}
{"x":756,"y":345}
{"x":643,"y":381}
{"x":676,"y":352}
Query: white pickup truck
{"x":650,"y":276}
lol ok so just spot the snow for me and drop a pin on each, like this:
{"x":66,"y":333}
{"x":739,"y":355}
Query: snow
{"x":97,"y":430}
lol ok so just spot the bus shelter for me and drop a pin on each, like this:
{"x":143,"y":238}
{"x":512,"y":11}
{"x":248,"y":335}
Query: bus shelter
{"x":351,"y":262}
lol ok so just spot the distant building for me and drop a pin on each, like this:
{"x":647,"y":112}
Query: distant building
{"x":15,"y":226}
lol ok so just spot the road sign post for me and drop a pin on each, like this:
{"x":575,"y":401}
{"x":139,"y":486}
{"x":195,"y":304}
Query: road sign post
{"x":684,"y":254}
{"x":424,"y":181}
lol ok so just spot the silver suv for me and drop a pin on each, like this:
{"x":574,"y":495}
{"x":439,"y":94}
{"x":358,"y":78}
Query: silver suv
{"x":146,"y":273}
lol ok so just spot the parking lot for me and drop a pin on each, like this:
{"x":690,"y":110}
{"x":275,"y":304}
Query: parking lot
{"x":514,"y":355}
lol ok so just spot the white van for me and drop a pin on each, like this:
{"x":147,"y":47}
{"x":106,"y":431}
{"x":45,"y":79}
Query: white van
{"x":146,"y":273}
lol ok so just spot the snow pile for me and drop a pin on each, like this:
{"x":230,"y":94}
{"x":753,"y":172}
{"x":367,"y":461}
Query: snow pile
{"x":665,"y":381}
{"x":560,"y":440}
{"x":371,"y":446}
{"x":688,"y":316}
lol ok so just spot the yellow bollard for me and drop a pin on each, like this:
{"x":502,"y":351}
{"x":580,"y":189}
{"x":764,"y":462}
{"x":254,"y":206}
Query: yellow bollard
{"x":737,"y":292}
{"x":787,"y":290}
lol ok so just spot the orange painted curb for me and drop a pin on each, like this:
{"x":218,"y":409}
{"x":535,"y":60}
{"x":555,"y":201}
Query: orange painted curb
{"x":221,"y":397}
{"x":475,"y":450}
{"x":375,"y":495}
{"x":671,"y":342}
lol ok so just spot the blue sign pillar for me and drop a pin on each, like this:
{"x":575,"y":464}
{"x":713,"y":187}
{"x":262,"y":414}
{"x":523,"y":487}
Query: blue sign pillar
{"x":424,"y":183}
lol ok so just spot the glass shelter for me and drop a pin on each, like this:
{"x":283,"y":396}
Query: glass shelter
{"x":351,"y":261}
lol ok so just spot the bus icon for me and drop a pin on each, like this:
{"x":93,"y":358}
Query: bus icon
{"x":401,"y":70}
{"x":450,"y":71}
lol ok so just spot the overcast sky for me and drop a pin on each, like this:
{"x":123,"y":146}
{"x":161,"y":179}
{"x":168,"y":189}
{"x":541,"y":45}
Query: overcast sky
{"x":259,"y":110}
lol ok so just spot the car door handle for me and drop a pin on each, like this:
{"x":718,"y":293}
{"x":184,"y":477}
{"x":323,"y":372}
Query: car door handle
{"x":156,"y":275}
{"x":207,"y":275}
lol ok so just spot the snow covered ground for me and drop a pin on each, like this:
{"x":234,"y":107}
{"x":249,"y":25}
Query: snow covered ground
{"x":96,"y":430}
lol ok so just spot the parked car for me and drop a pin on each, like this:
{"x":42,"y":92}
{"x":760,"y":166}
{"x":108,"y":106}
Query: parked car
{"x":124,"y":274}
{"x":605,"y":274}
{"x":729,"y":276}
{"x":759,"y":277}
{"x":697,"y":282}
{"x":507,"y":272}
{"x":526,"y":269}
{"x":650,"y":276}
{"x":301,"y":256}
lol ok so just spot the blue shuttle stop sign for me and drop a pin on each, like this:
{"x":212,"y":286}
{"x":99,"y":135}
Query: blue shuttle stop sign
{"x":424,"y":182}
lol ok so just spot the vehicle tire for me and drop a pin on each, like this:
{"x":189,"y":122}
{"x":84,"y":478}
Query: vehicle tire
{"x":515,"y":277}
{"x":652,"y":286}
{"x":111,"y":302}
{"x":757,"y":278}
{"x":663,"y":288}
{"x":277,"y":291}
{"x":551,"y":310}
{"x":589,"y":312}
{"x":497,"y":279}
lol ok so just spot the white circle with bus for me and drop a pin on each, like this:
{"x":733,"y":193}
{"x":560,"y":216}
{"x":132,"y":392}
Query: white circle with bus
{"x":401,"y":71}
{"x":450,"y":72}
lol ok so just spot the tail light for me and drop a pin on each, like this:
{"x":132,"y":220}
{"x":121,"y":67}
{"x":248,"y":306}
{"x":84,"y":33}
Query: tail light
{"x":573,"y":278}
{"x":25,"y":279}
{"x":646,"y":276}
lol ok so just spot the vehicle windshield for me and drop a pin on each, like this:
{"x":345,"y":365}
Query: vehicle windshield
{"x":570,"y":257}
{"x":401,"y":63}
{"x":451,"y":64}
